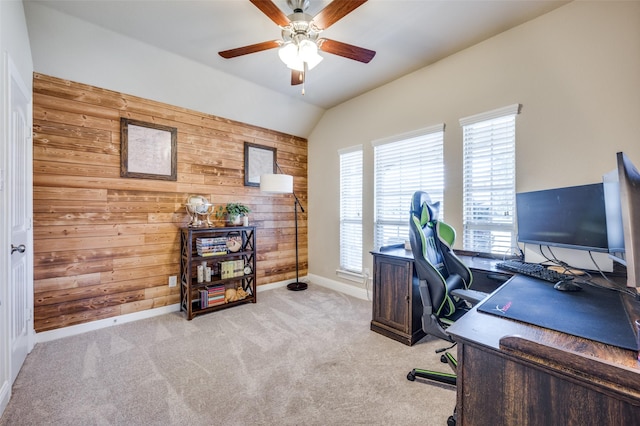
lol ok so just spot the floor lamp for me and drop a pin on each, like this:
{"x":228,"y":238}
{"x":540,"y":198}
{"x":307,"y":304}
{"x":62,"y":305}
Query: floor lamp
{"x":283,"y":184}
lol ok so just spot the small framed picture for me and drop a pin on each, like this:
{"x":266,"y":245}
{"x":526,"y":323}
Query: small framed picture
{"x":258,"y":160}
{"x":148,"y":151}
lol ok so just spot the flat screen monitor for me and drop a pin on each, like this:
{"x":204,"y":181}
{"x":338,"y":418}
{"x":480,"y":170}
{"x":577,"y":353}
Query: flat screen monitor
{"x":572,"y":217}
{"x":613,"y":207}
{"x":626,"y":209}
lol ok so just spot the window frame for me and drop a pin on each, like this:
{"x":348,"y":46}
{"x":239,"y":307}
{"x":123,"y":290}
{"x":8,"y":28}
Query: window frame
{"x":489,"y":147}
{"x":350,"y":210}
{"x":393,"y":194}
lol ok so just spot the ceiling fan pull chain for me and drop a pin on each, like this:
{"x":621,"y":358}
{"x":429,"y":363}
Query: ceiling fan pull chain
{"x":304,"y":76}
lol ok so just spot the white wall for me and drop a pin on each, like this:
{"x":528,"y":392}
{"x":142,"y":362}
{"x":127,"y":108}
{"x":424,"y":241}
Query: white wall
{"x":69,"y":48}
{"x":14,"y":43}
{"x":575,"y":70}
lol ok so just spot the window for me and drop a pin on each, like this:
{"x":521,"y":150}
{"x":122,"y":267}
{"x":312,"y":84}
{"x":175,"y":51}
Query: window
{"x":351,"y":209}
{"x":403,"y":165}
{"x":489,"y":142}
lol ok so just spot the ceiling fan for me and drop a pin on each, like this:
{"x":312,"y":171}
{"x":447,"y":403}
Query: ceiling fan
{"x":300,"y":36}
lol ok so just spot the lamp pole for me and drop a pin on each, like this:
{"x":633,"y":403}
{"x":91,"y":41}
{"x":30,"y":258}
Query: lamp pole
{"x":297,"y":285}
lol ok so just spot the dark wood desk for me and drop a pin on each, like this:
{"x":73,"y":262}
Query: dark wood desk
{"x":397,"y":307}
{"x":512,"y":373}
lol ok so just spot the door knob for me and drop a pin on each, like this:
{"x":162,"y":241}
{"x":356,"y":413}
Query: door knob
{"x":21,"y":248}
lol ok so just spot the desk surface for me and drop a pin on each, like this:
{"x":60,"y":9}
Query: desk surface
{"x":473,"y":262}
{"x":488,"y":330}
{"x":593,"y":313}
{"x":511,"y":373}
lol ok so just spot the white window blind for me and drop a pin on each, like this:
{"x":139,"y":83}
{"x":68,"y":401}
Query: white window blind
{"x":489,"y":181}
{"x":351,"y":209}
{"x":403,"y":165}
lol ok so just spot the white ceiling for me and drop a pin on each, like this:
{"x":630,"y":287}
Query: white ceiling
{"x":406,"y":34}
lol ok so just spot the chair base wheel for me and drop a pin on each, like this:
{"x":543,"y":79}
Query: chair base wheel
{"x":451,"y":421}
{"x":411,"y":376}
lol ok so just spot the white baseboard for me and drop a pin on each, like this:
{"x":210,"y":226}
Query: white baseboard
{"x":5,"y":395}
{"x":351,"y":290}
{"x":72,"y":330}
{"x":271,"y":286}
{"x":46,"y":336}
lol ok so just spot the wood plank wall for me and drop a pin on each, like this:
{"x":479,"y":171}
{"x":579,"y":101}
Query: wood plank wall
{"x":106,"y":245}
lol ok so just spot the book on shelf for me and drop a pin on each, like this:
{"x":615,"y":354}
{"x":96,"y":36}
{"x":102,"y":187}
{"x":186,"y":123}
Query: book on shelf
{"x":212,"y":295}
{"x":232,"y":268}
{"x":215,"y":301}
{"x":203,"y":299}
{"x":211,"y":246}
{"x":238,"y":268}
{"x":215,"y":289}
{"x":211,"y":253}
{"x":212,"y":241}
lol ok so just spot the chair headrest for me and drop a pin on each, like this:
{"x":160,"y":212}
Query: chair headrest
{"x":423,"y":208}
{"x":419,"y":198}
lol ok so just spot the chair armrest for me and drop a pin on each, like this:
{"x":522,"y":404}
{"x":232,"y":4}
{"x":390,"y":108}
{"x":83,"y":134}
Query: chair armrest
{"x":472,"y":296}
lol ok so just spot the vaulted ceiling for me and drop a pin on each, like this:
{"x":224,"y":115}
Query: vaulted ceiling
{"x":406,"y":35}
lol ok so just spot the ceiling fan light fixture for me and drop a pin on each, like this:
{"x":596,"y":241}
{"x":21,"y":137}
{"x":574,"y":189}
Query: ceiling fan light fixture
{"x":296,"y":64}
{"x":313,"y":61}
{"x":295,"y":55}
{"x":300,"y":31}
{"x":307,"y":51}
{"x":288,"y":53}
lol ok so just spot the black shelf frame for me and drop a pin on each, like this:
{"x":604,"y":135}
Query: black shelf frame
{"x":189,"y":259}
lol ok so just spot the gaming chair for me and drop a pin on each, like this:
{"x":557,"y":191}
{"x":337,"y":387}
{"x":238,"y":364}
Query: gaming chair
{"x":444,"y":280}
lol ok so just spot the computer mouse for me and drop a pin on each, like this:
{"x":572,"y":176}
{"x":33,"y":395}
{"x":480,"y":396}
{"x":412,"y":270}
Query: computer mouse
{"x":567,"y":286}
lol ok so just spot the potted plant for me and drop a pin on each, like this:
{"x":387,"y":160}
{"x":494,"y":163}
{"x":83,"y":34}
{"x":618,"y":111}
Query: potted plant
{"x":233,"y":212}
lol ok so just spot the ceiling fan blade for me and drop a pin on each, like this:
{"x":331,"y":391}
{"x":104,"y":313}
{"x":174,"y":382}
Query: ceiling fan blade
{"x":252,"y":48}
{"x":297,"y":77}
{"x":346,"y":50}
{"x":272,"y":11}
{"x":335,"y":11}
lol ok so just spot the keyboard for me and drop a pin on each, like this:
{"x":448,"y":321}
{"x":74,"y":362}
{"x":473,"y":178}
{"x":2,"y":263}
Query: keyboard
{"x":534,"y":270}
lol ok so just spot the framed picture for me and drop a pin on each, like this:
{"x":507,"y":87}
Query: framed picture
{"x":258,"y":160}
{"x":148,"y":151}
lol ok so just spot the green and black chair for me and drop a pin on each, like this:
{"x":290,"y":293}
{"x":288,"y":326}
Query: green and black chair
{"x":444,"y":280}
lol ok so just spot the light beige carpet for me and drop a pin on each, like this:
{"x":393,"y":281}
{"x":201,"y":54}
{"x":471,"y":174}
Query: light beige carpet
{"x":294,"y":358}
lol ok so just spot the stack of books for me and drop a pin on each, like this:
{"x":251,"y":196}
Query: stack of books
{"x":232,"y":268}
{"x":212,"y":296}
{"x":211,"y":246}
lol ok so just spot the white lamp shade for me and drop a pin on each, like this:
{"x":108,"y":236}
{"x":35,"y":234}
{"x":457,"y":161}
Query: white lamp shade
{"x":296,"y":64}
{"x":277,"y":184}
{"x":313,"y":61}
{"x":308,"y":52}
{"x":288,"y":53}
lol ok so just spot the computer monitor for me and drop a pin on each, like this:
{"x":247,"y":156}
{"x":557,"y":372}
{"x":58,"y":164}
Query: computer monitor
{"x":571,"y":217}
{"x":623,"y":210}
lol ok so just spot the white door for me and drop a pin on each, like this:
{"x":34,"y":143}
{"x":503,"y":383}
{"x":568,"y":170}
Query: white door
{"x":19,"y":188}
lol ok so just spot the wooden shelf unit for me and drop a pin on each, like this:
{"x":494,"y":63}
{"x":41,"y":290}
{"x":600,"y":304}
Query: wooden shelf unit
{"x":189,"y":260}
